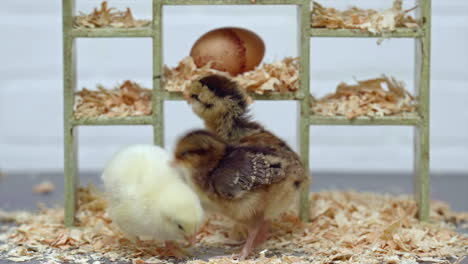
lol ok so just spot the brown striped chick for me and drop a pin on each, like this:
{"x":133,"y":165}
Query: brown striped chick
{"x":223,"y":107}
{"x":249,"y":184}
{"x":222,"y":104}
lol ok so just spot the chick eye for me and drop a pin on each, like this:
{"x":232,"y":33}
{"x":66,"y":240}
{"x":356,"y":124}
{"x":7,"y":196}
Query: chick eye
{"x":180,"y":227}
{"x":208,"y":105}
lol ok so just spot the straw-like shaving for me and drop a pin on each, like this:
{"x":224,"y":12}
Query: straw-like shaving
{"x":108,"y":17}
{"x":349,"y":227}
{"x":128,"y":99}
{"x":44,"y":187}
{"x":367,"y":98}
{"x":366,"y":19}
{"x":280,"y":76}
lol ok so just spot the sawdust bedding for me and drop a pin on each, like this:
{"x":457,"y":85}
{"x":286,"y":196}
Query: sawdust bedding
{"x":127,"y":99}
{"x":368,"y":98}
{"x":278,"y":76}
{"x":321,"y":17}
{"x":370,"y":20}
{"x":106,"y":17}
{"x":383,"y":96}
{"x":131,"y":99}
{"x":345,"y":227}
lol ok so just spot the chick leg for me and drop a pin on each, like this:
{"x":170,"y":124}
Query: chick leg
{"x":257,"y":235}
{"x":263,"y":233}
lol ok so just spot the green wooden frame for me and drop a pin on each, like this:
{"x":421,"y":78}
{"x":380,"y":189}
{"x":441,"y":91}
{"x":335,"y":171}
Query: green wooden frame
{"x":305,"y":118}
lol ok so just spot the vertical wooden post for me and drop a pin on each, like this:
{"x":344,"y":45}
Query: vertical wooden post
{"x":421,"y":83}
{"x":70,"y":137}
{"x":158,"y":93}
{"x":303,"y":12}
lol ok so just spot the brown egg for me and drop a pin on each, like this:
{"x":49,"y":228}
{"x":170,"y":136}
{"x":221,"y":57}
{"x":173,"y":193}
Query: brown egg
{"x":233,"y":50}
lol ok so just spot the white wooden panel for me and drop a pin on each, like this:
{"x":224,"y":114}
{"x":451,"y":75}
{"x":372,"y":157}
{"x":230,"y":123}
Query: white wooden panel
{"x":31,"y":85}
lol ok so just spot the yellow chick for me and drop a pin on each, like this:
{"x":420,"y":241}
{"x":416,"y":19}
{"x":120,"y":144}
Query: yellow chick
{"x":148,"y":197}
{"x":249,"y":184}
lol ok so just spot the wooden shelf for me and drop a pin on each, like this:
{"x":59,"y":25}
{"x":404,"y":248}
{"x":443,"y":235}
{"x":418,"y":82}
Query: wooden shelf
{"x":406,"y":120}
{"x":145,"y":32}
{"x":232,"y":2}
{"x":305,"y":120}
{"x":358,"y":33}
{"x":113,"y":121}
{"x":175,"y":96}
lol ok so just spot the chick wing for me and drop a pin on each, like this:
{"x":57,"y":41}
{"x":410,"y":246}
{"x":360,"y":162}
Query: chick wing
{"x":246,"y":169}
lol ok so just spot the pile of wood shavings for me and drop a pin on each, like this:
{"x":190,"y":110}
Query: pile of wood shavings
{"x":108,"y":17}
{"x":43,"y":236}
{"x":346,"y":227}
{"x":128,"y":99}
{"x":44,"y":187}
{"x":281,"y":76}
{"x":367,"y":98}
{"x":365,"y":19}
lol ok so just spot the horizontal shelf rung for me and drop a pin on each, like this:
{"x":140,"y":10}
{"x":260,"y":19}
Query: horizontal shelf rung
{"x":232,"y":2}
{"x":175,"y":96}
{"x":113,"y":121}
{"x":406,"y":120}
{"x":112,"y":32}
{"x":358,"y":33}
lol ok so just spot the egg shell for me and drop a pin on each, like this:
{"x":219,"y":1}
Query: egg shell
{"x":233,"y":50}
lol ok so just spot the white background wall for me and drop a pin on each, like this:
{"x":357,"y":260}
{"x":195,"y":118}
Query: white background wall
{"x":31,"y":124}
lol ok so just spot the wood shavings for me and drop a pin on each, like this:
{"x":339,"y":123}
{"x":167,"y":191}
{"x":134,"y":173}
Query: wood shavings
{"x":128,"y":99}
{"x":365,"y":19}
{"x":378,"y":97}
{"x":281,"y":76}
{"x":6,"y":217}
{"x":43,"y":236}
{"x":442,"y":211}
{"x":345,"y":227}
{"x":44,"y":187}
{"x":108,"y":17}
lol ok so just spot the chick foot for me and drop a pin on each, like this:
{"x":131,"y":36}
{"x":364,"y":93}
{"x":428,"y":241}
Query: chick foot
{"x":173,"y":250}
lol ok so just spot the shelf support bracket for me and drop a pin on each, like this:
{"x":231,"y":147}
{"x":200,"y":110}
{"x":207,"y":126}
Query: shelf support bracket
{"x":421,"y":132}
{"x":303,"y":115}
{"x":70,"y":133}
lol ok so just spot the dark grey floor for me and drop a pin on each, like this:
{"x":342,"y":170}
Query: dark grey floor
{"x":16,"y":188}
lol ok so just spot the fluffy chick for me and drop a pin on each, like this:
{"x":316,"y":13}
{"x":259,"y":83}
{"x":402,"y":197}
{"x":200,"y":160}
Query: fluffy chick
{"x":147,"y":196}
{"x":249,"y":184}
{"x":223,"y":106}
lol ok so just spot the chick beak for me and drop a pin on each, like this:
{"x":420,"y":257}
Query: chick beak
{"x":191,"y":239}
